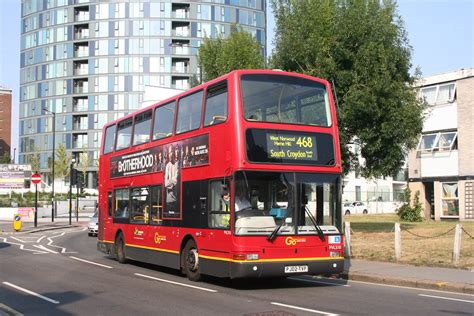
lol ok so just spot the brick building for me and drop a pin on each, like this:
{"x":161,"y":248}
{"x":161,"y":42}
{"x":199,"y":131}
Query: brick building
{"x":5,"y":120}
{"x":442,"y":166}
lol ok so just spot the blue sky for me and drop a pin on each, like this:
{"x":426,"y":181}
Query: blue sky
{"x":441,"y":33}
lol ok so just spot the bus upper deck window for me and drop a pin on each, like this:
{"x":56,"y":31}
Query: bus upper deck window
{"x":124,"y":134}
{"x":164,"y":119}
{"x":141,"y":131}
{"x":216,"y":104}
{"x":109,"y":139}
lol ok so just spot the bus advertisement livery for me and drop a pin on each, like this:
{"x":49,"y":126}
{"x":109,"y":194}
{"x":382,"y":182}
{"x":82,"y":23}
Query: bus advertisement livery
{"x":238,"y":177}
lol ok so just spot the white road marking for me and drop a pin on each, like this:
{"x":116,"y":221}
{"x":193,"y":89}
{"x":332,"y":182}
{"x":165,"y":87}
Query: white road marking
{"x":22,"y":247}
{"x":44,"y":248}
{"x":409,"y":288}
{"x":31,"y":293}
{"x":304,"y":309}
{"x":94,"y":263}
{"x":18,"y":239}
{"x":39,"y":239}
{"x":176,"y":283}
{"x":446,"y":298}
{"x":63,"y":250}
{"x":319,"y":282}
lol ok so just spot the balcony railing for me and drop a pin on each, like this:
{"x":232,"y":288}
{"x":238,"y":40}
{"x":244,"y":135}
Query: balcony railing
{"x":81,"y":71}
{"x":83,"y":34}
{"x":180,"y":69}
{"x":180,"y":14}
{"x":82,"y":16}
{"x":81,"y":107}
{"x":180,"y":33}
{"x":181,"y":50}
{"x":81,"y":52}
{"x":80,"y":126}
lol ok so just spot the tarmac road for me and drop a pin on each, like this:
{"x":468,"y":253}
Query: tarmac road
{"x":60,"y":272}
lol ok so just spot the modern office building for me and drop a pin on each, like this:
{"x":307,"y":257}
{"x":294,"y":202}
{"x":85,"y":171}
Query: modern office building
{"x":442,"y":167}
{"x":89,"y":61}
{"x":5,"y":120}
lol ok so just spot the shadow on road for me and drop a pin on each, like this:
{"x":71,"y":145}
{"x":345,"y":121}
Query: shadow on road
{"x":301,"y":281}
{"x":31,"y":305}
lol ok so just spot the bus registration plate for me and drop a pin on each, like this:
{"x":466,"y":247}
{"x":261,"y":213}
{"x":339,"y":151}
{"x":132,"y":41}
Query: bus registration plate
{"x":296,"y":269}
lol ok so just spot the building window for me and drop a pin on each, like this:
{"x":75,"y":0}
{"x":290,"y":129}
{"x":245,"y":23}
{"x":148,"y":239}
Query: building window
{"x":441,"y":141}
{"x":439,"y":94}
{"x":450,"y":199}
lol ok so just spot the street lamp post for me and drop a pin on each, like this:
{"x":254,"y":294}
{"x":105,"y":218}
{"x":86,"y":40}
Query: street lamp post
{"x":70,"y":189}
{"x":199,"y":60}
{"x":54,"y":154}
{"x":14,"y":153}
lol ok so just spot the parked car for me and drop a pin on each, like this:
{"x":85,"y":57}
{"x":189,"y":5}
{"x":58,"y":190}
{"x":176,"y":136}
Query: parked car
{"x":354,"y":208}
{"x":93,"y":226}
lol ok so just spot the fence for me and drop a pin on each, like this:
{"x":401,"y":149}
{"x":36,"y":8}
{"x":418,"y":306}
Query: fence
{"x":457,"y":231}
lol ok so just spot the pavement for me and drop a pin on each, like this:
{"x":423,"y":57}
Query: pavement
{"x":435,"y":278}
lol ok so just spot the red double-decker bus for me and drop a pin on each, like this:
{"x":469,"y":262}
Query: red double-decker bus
{"x":238,"y":177}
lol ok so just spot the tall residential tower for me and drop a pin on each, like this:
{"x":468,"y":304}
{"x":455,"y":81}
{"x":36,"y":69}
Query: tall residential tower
{"x":89,"y":61}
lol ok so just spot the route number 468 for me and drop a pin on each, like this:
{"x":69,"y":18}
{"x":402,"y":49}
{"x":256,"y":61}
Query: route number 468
{"x":304,"y":142}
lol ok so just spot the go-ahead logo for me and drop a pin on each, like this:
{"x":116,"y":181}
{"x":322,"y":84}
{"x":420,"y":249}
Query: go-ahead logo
{"x":290,"y":241}
{"x":158,"y":238}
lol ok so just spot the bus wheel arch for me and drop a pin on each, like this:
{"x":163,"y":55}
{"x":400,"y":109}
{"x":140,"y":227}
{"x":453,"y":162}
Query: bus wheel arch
{"x":190,"y":259}
{"x":120,"y":254}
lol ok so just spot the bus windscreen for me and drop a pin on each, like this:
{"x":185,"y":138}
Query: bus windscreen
{"x":285,"y":99}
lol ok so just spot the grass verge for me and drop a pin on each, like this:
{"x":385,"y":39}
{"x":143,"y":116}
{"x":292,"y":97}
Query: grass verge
{"x":427,"y":243}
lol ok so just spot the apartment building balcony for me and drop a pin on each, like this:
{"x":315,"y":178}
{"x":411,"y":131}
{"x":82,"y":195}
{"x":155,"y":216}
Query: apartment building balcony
{"x":180,"y":10}
{"x":80,"y":104}
{"x":81,"y":68}
{"x":81,"y":14}
{"x":81,"y":32}
{"x":81,"y":49}
{"x":81,"y":86}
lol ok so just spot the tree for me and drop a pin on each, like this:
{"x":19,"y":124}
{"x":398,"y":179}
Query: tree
{"x":360,"y":45}
{"x":62,"y":162}
{"x":34,"y":160}
{"x":239,"y":51}
{"x":83,"y":165}
{"x":6,"y":158}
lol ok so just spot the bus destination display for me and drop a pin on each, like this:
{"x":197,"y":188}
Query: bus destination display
{"x":289,"y":147}
{"x":285,"y":146}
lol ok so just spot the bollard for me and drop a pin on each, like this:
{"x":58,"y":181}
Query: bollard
{"x":347,"y":239}
{"x":457,"y":244}
{"x":398,"y":242}
{"x":17,"y":222}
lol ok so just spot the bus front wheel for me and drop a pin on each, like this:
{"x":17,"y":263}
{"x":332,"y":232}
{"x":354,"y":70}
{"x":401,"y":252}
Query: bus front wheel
{"x":190,"y":261}
{"x":120,"y":249}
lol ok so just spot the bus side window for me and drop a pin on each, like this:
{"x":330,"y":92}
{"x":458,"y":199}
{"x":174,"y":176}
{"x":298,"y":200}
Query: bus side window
{"x":122,"y":205}
{"x":189,"y":112}
{"x":140,"y":203}
{"x":156,"y":205}
{"x":219,"y":210}
{"x":109,"y":204}
{"x":216,"y":104}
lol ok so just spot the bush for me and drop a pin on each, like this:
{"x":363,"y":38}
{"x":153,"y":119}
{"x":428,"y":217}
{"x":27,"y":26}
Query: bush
{"x":408,"y":213}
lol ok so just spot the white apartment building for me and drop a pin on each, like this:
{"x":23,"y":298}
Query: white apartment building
{"x":441,"y":168}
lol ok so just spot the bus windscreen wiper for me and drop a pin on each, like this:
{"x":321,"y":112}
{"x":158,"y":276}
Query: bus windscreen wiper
{"x":316,"y":226}
{"x":274,"y":233}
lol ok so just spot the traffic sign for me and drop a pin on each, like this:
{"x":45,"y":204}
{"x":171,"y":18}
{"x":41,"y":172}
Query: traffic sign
{"x":36,"y":178}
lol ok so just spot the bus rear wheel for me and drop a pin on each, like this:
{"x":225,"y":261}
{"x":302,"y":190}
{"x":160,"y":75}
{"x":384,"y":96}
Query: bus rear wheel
{"x":120,"y":249}
{"x":190,"y":261}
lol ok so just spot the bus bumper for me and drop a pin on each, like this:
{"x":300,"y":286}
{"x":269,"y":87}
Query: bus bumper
{"x":277,"y":269}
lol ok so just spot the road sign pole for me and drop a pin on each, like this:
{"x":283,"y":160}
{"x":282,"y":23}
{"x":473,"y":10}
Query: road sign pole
{"x":36,"y":205}
{"x":36,"y":178}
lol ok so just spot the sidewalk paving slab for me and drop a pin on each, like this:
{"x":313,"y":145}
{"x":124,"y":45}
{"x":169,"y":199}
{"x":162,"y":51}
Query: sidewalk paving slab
{"x":437,"y":278}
